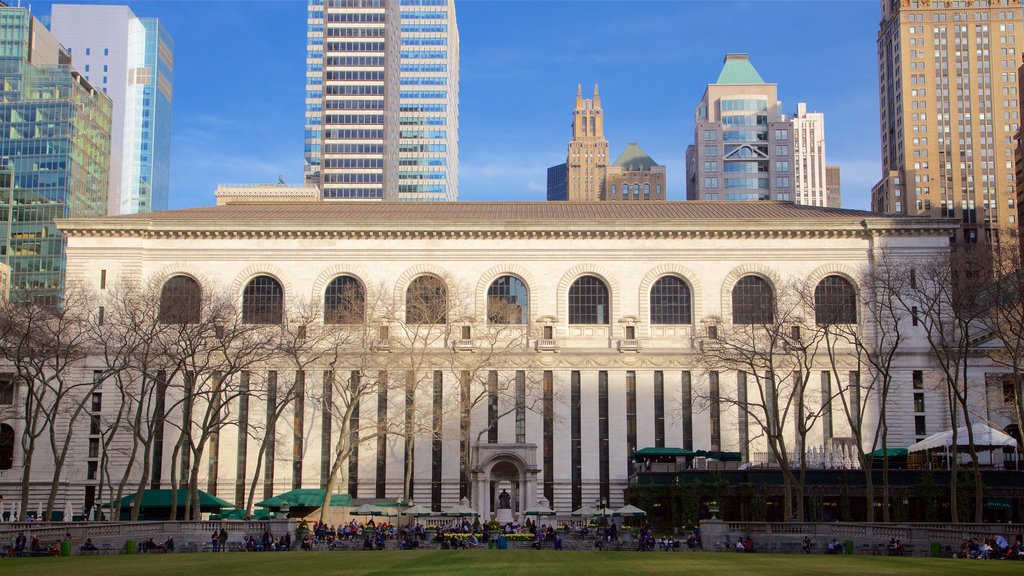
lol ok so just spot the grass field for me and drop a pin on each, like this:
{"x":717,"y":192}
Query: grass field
{"x":492,"y":562}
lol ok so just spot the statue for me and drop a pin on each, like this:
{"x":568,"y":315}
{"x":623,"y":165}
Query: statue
{"x":504,"y":500}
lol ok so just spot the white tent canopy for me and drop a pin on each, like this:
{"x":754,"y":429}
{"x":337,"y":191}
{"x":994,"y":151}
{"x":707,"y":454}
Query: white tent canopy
{"x":985,"y":437}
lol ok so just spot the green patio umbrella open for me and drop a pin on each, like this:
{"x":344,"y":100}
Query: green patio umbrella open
{"x":630,"y":511}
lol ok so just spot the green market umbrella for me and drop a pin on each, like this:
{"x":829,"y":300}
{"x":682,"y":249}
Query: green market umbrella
{"x":630,"y":511}
{"x":368,"y":510}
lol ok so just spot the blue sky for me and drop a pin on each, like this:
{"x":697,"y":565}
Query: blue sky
{"x":238,"y":94}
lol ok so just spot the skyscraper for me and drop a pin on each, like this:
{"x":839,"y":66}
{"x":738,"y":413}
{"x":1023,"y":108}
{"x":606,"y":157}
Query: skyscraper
{"x":382,"y":99}
{"x":742,"y":147}
{"x":54,"y":151}
{"x":587,"y":159}
{"x":949,"y":110}
{"x":810,"y":185}
{"x":131,"y":60}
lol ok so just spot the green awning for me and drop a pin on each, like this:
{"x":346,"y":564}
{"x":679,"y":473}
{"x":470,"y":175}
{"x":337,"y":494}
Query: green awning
{"x":261,"y":514}
{"x":305,"y":498}
{"x":656,"y":452}
{"x":891,"y":452}
{"x":718,"y":455}
{"x":155,"y":499}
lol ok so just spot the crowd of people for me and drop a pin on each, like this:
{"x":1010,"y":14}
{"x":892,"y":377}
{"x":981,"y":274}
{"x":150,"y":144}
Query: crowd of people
{"x":994,"y":548}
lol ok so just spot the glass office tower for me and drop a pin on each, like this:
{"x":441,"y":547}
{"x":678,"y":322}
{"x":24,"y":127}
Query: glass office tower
{"x":132,"y":60}
{"x":54,"y":151}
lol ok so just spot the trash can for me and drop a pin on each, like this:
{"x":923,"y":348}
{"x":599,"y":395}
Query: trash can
{"x":490,"y":544}
{"x":130,"y":547}
{"x":848,"y":547}
{"x":936,"y":549}
{"x":502,"y":543}
{"x":65,"y":548}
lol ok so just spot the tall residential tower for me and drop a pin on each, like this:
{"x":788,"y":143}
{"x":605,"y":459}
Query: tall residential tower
{"x":131,"y":60}
{"x":949,"y":110}
{"x":382,"y":99}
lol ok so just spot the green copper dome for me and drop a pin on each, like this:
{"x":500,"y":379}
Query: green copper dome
{"x":634,"y":156}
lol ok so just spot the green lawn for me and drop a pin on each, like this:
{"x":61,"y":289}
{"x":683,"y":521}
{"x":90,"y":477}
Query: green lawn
{"x":494,"y":562}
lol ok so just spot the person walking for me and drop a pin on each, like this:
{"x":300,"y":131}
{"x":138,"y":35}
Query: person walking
{"x":215,"y":541}
{"x":223,"y":538}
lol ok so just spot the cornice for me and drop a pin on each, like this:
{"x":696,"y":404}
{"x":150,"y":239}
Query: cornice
{"x":795,"y":229}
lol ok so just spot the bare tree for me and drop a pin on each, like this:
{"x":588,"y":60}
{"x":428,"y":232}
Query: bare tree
{"x":208,"y":356}
{"x":44,"y":342}
{"x":946,"y":299}
{"x":873,"y":341}
{"x":765,"y":344}
{"x":1004,"y":321}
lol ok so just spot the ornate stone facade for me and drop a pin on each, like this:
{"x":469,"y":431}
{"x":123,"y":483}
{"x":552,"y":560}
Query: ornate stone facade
{"x":602,"y":365}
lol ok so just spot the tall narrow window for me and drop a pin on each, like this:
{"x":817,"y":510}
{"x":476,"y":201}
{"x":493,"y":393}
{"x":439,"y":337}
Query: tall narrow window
{"x":826,"y":403}
{"x":855,"y":395}
{"x":6,"y":447}
{"x":508,"y":301}
{"x":243,"y":439}
{"x":344,"y":301}
{"x":380,"y":490}
{"x":575,"y":399}
{"x":743,"y":423}
{"x":354,"y":382}
{"x":604,"y":459}
{"x":753,"y":301}
{"x":326,"y":426}
{"x":263,"y":301}
{"x":492,"y":407}
{"x":520,"y":406}
{"x":159,"y":409}
{"x":270,"y":453}
{"x":686,"y":402}
{"x":426,"y":301}
{"x":436,"y":445}
{"x":630,"y":412}
{"x":298,"y":427}
{"x":410,"y":429}
{"x":549,"y":437}
{"x":670,"y":301}
{"x":659,"y":409}
{"x":715,"y":411}
{"x":465,"y":383}
{"x":180,"y":301}
{"x":589,"y":301}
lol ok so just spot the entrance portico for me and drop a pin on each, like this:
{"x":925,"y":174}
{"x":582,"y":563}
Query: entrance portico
{"x":504,"y":466}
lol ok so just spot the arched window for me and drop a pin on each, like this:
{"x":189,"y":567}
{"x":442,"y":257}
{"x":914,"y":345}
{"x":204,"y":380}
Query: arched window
{"x":753,"y":301}
{"x":344,"y":301}
{"x":636,"y":190}
{"x":588,"y":301}
{"x":180,"y":301}
{"x":670,"y":301}
{"x":508,"y":301}
{"x":6,"y":447}
{"x":625,"y":191}
{"x":835,"y":301}
{"x":263,"y":301}
{"x":647,"y":191}
{"x":426,"y":301}
{"x":657,"y":190}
